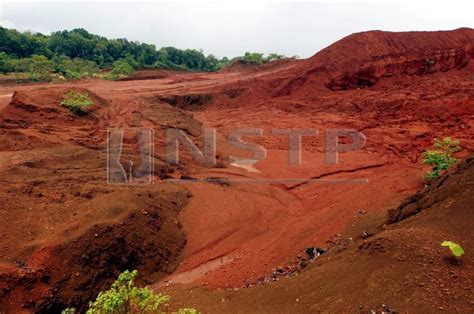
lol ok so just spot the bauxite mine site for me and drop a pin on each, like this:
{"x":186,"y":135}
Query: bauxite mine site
{"x":236,"y":157}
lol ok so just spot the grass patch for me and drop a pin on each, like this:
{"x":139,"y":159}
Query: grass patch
{"x":77,"y":103}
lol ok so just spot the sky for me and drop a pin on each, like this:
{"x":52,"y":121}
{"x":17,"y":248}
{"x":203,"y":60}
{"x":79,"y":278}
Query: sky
{"x":230,"y":28}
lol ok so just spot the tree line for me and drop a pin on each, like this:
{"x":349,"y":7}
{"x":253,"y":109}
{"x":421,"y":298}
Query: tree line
{"x":78,"y":53}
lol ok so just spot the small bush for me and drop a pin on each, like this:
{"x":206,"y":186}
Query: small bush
{"x":77,"y":102}
{"x":125,"y":297}
{"x":121,"y":68}
{"x":441,"y":158}
{"x":74,"y":68}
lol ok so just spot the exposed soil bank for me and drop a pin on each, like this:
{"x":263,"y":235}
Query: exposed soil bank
{"x":401,"y":267}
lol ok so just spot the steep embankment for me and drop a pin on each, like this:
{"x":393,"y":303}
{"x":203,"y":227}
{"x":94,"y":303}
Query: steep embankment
{"x":362,"y":59}
{"x":400,"y":267}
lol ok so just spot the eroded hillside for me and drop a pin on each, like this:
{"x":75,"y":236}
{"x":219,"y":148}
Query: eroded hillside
{"x":66,"y":233}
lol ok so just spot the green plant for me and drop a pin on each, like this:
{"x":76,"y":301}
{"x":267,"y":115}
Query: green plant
{"x":120,"y":68}
{"x":441,"y":158}
{"x":253,"y":58}
{"x":77,"y":102}
{"x":187,"y":311}
{"x":125,"y":297}
{"x":69,"y":311}
{"x":74,"y":68}
{"x":455,"y":248}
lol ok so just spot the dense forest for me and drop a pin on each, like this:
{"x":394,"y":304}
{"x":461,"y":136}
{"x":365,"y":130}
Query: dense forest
{"x":77,"y":53}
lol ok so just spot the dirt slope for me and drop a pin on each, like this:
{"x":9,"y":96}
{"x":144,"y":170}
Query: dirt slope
{"x":362,"y":59}
{"x":401,"y":267}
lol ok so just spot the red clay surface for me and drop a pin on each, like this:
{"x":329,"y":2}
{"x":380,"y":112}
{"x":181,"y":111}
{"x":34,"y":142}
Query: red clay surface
{"x":401,"y":90}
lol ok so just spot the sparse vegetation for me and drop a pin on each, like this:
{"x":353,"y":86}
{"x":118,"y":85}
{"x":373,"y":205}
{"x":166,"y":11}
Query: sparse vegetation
{"x":77,"y":102}
{"x":125,"y":297}
{"x":455,"y":248}
{"x":441,"y":157}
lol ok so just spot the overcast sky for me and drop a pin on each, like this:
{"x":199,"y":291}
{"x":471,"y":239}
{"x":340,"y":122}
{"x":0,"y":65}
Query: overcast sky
{"x":230,"y":28}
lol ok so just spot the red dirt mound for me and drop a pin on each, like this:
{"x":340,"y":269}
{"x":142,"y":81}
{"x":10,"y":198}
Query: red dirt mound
{"x":362,"y":59}
{"x":36,"y":118}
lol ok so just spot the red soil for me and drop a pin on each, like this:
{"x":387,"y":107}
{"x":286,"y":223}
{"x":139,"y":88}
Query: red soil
{"x":399,"y":268}
{"x":383,"y":84}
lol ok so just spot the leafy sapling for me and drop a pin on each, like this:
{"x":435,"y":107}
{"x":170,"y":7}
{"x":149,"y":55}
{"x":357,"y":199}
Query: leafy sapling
{"x":441,"y":157}
{"x":125,"y":297}
{"x":455,"y":248}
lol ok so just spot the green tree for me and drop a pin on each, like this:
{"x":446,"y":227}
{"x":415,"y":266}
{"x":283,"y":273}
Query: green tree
{"x":274,"y":56}
{"x":253,"y":58}
{"x":80,"y":44}
{"x":40,"y":68}
{"x":5,"y":63}
{"x":74,"y":68}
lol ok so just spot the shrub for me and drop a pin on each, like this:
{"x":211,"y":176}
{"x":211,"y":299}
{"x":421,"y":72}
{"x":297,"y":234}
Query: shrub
{"x":5,"y":63}
{"x":40,"y":68}
{"x":441,"y":158}
{"x":121,"y":68}
{"x":125,"y":297}
{"x":253,"y":58}
{"x":75,"y":68}
{"x":77,"y":102}
{"x":274,"y":56}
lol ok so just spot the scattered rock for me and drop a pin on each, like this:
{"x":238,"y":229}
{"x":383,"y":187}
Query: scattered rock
{"x":314,"y":252}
